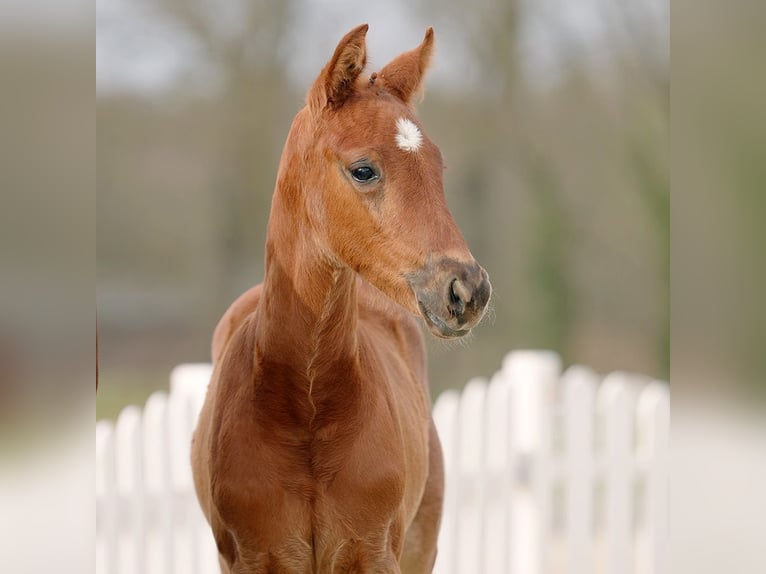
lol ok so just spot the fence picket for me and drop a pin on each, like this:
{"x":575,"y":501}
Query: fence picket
{"x":532,"y":376}
{"x":129,"y":476}
{"x":107,"y":509}
{"x":653,"y":425}
{"x":445,"y":418}
{"x":471,"y":438}
{"x":503,"y":464}
{"x":161,"y":545}
{"x":190,"y":381}
{"x":498,"y":475}
{"x":579,"y":415}
{"x":614,"y":401}
{"x":179,"y":429}
{"x":196,"y":547}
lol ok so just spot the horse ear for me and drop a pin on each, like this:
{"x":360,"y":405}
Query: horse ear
{"x":335,"y":82}
{"x":404,"y":74}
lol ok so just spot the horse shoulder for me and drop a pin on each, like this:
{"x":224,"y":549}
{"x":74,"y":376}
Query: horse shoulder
{"x":229,"y":384}
{"x":234,"y":316}
{"x":230,"y":431}
{"x":239,"y":476}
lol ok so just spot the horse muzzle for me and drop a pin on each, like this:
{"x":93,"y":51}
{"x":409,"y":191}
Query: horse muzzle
{"x":452,"y":296}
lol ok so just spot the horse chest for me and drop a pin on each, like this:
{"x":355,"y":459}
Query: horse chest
{"x":326,"y":471}
{"x":320,"y":509}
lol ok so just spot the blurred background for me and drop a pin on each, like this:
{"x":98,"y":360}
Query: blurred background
{"x":552,"y":116}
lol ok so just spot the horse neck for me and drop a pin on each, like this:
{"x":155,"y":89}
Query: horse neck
{"x":308,"y":307}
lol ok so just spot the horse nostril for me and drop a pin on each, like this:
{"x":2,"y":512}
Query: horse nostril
{"x":460,"y":295}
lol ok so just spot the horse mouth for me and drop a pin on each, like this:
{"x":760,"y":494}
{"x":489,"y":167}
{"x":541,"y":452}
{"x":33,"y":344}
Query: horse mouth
{"x":438,"y":327}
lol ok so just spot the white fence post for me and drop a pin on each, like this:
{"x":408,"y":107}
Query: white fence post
{"x":616,"y":409}
{"x":130,"y":482}
{"x":470,"y":468}
{"x":196,"y":549}
{"x":161,"y":548}
{"x":502,"y":464}
{"x":107,"y":508}
{"x":532,"y":376}
{"x":445,"y":413}
{"x":190,"y":381}
{"x":653,"y":429}
{"x":579,"y":386}
{"x":498,"y":476}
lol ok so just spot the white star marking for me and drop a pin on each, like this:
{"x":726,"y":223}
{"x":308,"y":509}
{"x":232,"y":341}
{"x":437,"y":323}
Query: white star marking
{"x":408,"y":136}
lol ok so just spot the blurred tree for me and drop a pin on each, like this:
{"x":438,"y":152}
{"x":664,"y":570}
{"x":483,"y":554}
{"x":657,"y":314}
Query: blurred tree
{"x":245,"y":42}
{"x":650,"y":163}
{"x":185,"y":182}
{"x":548,"y":262}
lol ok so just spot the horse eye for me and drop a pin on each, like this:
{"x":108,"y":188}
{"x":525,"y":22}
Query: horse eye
{"x":363,"y":174}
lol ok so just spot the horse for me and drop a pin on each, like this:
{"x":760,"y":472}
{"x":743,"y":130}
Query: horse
{"x":315,"y":449}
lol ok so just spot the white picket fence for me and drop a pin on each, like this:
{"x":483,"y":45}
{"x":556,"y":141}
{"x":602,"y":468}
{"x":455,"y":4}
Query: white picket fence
{"x":547,"y":473}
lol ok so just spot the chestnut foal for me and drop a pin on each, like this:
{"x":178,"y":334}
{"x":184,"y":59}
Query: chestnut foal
{"x":315,"y":450}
